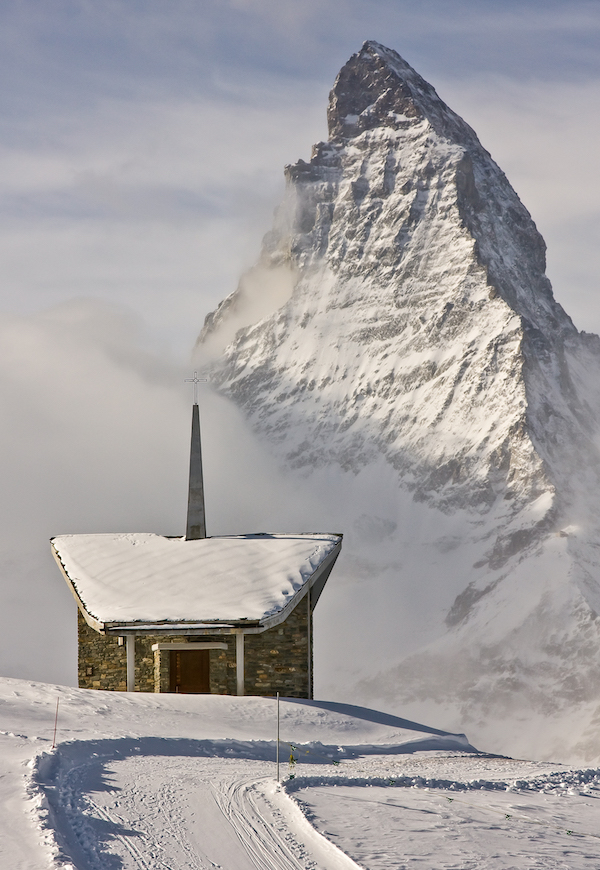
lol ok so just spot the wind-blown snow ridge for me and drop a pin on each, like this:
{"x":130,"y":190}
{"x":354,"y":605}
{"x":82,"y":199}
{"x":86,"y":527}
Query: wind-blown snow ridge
{"x":586,"y":782}
{"x":422,"y":332}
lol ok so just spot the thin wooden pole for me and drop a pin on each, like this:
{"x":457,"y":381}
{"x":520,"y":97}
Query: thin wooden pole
{"x":55,"y":723}
{"x":277,"y":736}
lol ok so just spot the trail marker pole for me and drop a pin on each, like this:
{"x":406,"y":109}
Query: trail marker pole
{"x":55,"y":723}
{"x":277,"y":736}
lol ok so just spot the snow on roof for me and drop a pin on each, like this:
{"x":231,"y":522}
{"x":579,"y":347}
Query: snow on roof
{"x":122,"y":578}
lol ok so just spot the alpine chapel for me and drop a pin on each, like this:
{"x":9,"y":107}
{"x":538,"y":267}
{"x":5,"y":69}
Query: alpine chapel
{"x":228,"y":615}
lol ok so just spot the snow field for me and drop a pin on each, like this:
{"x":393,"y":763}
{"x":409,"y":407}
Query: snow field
{"x":382,"y":827}
{"x":144,"y":781}
{"x":129,"y":805}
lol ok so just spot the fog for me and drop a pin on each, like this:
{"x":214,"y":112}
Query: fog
{"x":96,"y":438}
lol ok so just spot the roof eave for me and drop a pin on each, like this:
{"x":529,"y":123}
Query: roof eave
{"x":316,"y":581}
{"x":91,"y":620}
{"x":177,"y":629}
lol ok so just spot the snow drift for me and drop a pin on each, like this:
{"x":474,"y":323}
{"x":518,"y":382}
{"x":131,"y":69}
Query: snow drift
{"x":444,"y":409}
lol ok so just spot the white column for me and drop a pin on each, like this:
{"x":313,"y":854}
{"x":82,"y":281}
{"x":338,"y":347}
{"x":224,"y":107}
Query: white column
{"x":130,"y":646}
{"x":239,"y":661}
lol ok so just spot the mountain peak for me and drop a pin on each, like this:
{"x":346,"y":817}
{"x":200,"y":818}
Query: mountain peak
{"x":378,"y":88}
{"x":406,"y":243}
{"x":418,"y":333}
{"x":369,"y":91}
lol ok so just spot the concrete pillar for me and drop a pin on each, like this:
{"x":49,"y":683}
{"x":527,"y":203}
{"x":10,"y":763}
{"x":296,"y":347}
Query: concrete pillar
{"x":196,"y":522}
{"x":239,"y":662}
{"x":130,"y":647}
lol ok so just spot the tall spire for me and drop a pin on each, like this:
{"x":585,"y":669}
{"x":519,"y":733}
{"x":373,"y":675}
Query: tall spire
{"x":196,"y":519}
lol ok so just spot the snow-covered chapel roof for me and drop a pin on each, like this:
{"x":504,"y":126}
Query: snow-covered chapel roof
{"x":151,"y":582}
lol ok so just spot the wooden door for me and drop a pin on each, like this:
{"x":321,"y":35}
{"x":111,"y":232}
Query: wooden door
{"x":190,"y":671}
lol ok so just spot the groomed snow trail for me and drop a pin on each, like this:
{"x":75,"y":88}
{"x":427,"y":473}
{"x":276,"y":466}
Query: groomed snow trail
{"x":191,"y":805}
{"x":182,"y":813}
{"x":176,"y":782}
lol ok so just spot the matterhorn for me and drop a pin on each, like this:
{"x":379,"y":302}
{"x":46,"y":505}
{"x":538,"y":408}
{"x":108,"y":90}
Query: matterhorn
{"x":398,"y":349}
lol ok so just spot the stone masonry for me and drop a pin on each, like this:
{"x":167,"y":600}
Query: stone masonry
{"x":277,"y":660}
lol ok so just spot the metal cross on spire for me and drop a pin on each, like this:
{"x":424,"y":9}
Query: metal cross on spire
{"x":195,"y":381}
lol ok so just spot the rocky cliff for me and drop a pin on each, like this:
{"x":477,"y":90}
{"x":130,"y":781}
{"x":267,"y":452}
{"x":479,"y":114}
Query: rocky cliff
{"x":415,"y":328}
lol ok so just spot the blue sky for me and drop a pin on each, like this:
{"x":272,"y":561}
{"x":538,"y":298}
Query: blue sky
{"x":142,"y":146}
{"x":142,"y":143}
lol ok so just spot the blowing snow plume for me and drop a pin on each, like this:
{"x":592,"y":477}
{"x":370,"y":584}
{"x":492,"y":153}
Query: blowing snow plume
{"x":442,"y":403}
{"x":262,"y":289}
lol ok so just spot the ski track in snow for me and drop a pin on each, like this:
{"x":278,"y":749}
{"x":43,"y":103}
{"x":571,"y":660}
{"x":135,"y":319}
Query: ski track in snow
{"x":143,"y":782}
{"x":135,"y":810}
{"x":151,"y":812}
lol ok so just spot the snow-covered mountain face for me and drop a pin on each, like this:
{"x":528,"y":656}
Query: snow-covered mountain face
{"x":407,"y":323}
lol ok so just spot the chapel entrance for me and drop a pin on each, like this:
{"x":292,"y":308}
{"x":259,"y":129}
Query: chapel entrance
{"x":190,"y":671}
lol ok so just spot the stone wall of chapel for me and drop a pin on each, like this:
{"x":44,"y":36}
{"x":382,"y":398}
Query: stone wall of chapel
{"x":275,"y":661}
{"x":102,"y":663}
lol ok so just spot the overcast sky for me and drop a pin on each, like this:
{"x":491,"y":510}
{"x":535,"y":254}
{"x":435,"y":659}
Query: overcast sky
{"x":142,"y":146}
